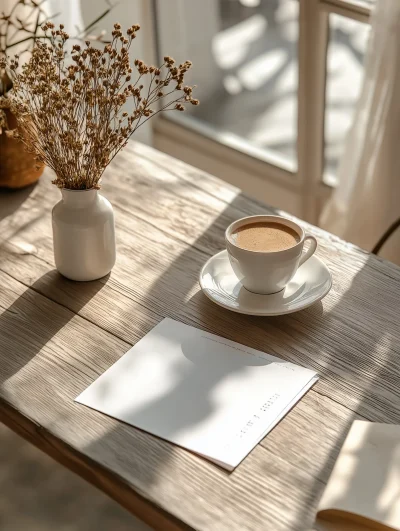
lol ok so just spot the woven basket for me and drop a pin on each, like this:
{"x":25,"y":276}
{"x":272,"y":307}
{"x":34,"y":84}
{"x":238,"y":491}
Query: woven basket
{"x":17,"y":167}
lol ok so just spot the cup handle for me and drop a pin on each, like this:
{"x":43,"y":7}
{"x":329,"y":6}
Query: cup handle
{"x":310,"y":251}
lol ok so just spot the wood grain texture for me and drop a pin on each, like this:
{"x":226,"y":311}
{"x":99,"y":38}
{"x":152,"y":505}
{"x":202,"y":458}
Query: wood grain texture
{"x":56,"y":336}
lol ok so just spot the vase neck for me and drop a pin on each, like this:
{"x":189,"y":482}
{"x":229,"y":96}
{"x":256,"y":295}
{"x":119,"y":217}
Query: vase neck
{"x":79,"y":198}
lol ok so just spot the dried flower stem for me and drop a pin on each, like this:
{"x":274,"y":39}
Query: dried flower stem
{"x":22,"y":26}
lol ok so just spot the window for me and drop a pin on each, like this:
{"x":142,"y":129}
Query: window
{"x":253,"y":50}
{"x":278,"y":82}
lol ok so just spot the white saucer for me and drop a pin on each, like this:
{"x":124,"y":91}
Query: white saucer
{"x":310,"y":284}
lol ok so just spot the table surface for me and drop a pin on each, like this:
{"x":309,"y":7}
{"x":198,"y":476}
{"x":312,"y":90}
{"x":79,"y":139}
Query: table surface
{"x":57,"y":336}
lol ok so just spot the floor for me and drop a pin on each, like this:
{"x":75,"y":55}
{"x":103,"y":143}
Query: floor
{"x":38,"y":494}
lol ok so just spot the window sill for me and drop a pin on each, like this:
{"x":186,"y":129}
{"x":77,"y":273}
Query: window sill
{"x":189,"y":130}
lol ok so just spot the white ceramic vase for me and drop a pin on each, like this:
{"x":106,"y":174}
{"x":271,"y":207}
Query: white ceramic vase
{"x":83,"y":235}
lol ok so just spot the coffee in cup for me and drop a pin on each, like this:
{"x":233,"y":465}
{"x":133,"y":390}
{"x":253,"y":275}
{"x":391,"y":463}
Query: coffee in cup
{"x":265,"y":236}
{"x":266,"y":251}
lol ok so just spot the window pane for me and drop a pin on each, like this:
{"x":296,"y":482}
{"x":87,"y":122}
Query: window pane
{"x":245,"y":65}
{"x":346,"y":50}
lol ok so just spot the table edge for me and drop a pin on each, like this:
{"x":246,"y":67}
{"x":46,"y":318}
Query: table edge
{"x":90,"y":470}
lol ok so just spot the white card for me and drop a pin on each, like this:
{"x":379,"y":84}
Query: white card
{"x":210,"y":395}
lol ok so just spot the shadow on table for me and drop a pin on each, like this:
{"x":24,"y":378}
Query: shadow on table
{"x":322,"y":337}
{"x":30,"y":213}
{"x":11,"y":200}
{"x":31,"y":321}
{"x":362,"y":372}
{"x":40,"y":493}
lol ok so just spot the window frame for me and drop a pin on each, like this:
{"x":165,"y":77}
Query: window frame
{"x":203,"y":147}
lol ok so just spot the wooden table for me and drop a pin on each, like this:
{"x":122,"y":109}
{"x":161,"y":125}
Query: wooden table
{"x":57,"y":336}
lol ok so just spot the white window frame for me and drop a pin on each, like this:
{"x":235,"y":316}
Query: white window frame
{"x":299,"y":190}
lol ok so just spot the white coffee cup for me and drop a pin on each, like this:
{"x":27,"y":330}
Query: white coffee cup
{"x":267,"y":272}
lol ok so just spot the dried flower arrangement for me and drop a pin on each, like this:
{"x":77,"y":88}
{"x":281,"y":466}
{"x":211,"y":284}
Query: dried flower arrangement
{"x":20,"y":27}
{"x":72,"y":114}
